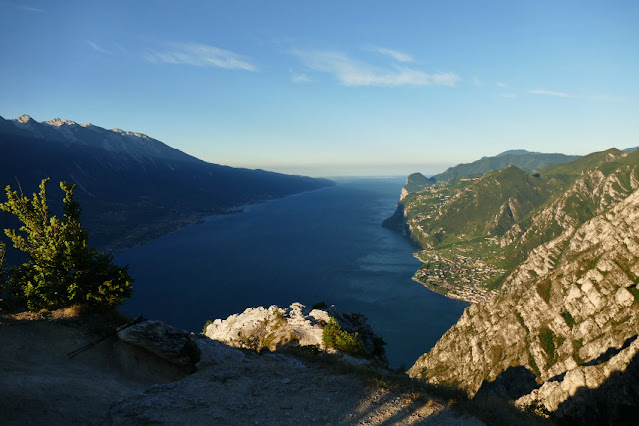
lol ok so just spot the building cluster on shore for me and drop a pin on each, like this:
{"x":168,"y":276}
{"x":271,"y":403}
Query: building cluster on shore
{"x":457,"y":276}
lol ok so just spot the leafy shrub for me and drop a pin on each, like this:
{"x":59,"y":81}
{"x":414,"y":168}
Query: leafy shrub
{"x":206,"y":324}
{"x":61,"y":269}
{"x":333,"y":337}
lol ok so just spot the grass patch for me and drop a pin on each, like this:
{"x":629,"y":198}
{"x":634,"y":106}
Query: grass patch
{"x":543,"y":289}
{"x":577,"y":344}
{"x":534,"y":366}
{"x":521,"y":321}
{"x":547,"y":340}
{"x":570,"y":321}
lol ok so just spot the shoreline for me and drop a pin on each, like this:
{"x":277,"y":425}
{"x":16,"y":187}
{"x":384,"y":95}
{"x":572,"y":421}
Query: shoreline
{"x":165,"y":226}
{"x":464,"y":292}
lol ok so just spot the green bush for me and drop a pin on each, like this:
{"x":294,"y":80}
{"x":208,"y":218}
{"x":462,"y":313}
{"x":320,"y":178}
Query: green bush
{"x":61,"y":269}
{"x":333,"y":337}
{"x":570,"y":321}
{"x":206,"y":324}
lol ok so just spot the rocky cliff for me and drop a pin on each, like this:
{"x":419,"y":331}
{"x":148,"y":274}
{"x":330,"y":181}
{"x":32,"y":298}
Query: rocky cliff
{"x":561,"y":336}
{"x":278,"y":328}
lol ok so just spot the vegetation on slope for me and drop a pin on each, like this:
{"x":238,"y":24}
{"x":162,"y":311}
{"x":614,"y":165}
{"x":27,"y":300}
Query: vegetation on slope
{"x":496,"y":219}
{"x":527,"y":161}
{"x":61,"y":269}
{"x":417,"y":181}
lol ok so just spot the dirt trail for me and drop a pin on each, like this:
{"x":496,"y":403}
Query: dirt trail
{"x":117,"y":383}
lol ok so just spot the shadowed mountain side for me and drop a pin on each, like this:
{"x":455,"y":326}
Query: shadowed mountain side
{"x":132,"y":188}
{"x":511,"y":384}
{"x":615,"y":402}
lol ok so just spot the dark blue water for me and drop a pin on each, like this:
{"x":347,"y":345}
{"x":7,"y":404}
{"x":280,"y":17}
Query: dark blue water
{"x":325,"y":245}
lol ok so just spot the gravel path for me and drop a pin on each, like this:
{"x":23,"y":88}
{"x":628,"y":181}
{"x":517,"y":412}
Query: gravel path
{"x":114,"y":383}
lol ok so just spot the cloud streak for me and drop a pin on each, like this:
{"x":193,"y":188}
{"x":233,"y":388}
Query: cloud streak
{"x":566,"y":95}
{"x":24,"y":7}
{"x":552,"y":93}
{"x":398,"y":56}
{"x":201,"y":55}
{"x":351,"y":72}
{"x":97,"y":48}
{"x":301,"y":78}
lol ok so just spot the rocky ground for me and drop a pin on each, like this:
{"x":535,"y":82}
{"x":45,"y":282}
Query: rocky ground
{"x":116,"y":382}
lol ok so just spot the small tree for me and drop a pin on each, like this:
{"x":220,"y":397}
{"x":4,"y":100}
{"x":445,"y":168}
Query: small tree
{"x":334,"y":337}
{"x":61,"y":269}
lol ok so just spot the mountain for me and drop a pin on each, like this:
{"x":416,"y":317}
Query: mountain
{"x":416,"y":182}
{"x":552,"y":260}
{"x":563,"y":335}
{"x":132,"y":187}
{"x":474,"y":231}
{"x":525,"y":160}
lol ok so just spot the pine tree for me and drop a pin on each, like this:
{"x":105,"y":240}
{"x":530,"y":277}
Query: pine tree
{"x":61,"y":269}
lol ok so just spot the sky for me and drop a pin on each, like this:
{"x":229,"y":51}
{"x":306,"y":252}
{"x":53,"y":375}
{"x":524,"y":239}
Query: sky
{"x":331,"y":88}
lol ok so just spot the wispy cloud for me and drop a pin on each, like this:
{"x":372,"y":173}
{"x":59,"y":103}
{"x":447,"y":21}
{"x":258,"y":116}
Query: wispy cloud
{"x":398,"y":56}
{"x":509,"y":95}
{"x":351,"y":72}
{"x":23,"y":7}
{"x":301,"y":78}
{"x":477,"y":82}
{"x":588,"y":97}
{"x":502,"y":85}
{"x":201,"y":55}
{"x":97,"y":48}
{"x":552,"y":93}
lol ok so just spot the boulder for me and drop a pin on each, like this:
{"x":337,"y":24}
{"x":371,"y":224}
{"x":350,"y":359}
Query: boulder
{"x":169,"y":343}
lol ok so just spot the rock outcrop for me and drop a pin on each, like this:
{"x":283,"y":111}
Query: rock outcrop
{"x":169,"y":343}
{"x":277,"y":328}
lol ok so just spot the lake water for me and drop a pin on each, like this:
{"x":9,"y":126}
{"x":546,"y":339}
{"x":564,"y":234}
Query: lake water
{"x":324,"y":245}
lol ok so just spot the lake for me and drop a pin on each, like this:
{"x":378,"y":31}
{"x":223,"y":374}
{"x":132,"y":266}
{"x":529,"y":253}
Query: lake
{"x":325,"y":245}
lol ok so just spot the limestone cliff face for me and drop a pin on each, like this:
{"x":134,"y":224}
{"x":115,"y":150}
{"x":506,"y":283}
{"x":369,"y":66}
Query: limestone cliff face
{"x":569,"y":314}
{"x":549,"y":231}
{"x":276,"y":328}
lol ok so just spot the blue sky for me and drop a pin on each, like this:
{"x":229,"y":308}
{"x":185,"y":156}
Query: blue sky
{"x":328,"y":88}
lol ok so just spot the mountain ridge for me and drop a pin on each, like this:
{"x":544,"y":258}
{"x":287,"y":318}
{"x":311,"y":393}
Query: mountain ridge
{"x":133,"y":188}
{"x":554,"y":278}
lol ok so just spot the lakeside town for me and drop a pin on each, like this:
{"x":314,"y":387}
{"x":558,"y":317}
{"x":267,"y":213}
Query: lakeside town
{"x":458,"y":277}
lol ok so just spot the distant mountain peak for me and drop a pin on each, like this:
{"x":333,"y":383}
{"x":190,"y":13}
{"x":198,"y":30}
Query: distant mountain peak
{"x":127,"y":133}
{"x":57,"y":122}
{"x":515,"y":152}
{"x":24,"y":118}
